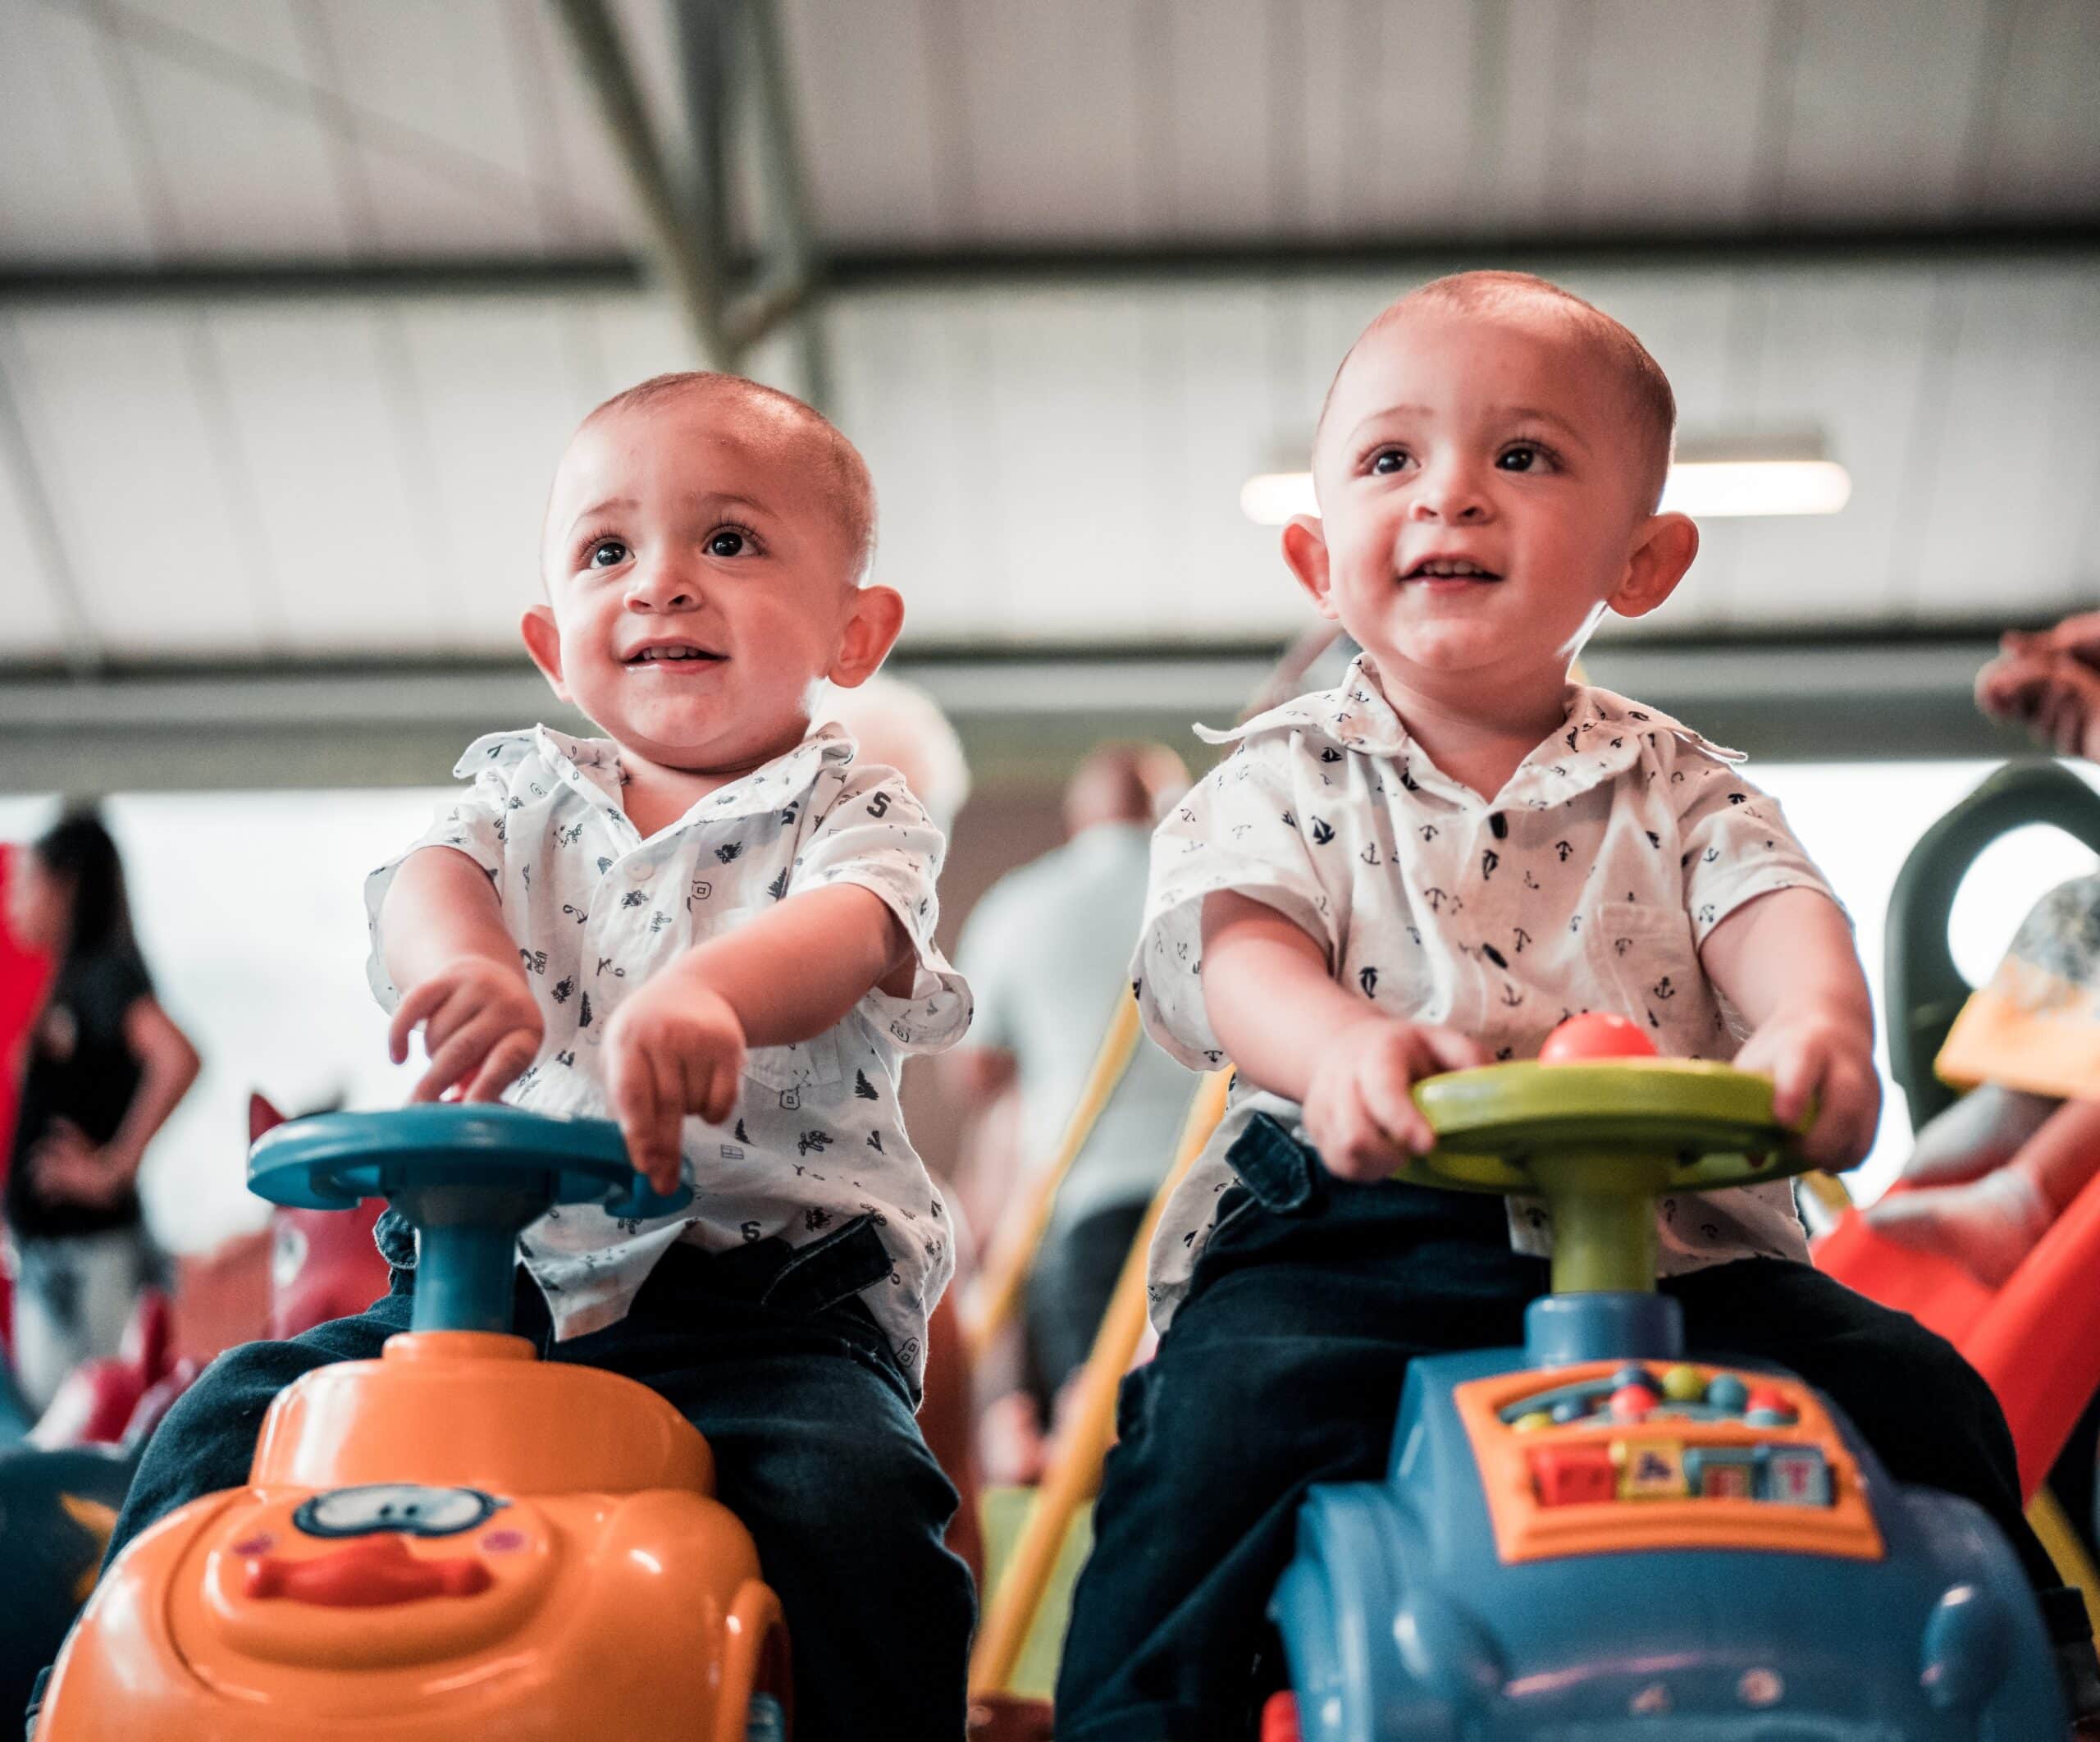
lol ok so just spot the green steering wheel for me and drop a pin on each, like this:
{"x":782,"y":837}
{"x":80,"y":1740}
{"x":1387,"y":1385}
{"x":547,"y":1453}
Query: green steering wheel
{"x":1600,"y":1142}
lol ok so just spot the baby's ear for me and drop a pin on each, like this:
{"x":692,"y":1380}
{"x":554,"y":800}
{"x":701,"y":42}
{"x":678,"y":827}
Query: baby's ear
{"x":1305,"y":549}
{"x":874,"y":616}
{"x":543,"y":642}
{"x":1663,"y":550}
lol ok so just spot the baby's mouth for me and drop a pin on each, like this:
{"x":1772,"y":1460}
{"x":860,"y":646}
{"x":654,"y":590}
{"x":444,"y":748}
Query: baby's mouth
{"x":1449,"y":568}
{"x":673,"y":653}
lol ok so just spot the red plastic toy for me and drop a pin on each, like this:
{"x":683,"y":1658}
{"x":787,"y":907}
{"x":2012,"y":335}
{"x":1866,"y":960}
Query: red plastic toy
{"x":1594,"y":1035}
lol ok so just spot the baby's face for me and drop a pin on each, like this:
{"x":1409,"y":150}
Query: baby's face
{"x":699,"y":581}
{"x":1479,"y":486}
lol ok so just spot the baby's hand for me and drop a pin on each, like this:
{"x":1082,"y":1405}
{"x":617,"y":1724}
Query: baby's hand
{"x":1813,"y":1055}
{"x":1359,"y":1108}
{"x":481,"y":1028}
{"x":676,"y":1047}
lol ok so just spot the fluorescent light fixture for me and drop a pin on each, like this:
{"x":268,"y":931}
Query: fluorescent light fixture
{"x":1719,"y":489}
{"x":1705,"y":489}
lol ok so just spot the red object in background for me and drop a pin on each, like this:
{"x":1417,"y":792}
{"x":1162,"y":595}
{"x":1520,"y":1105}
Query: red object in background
{"x":23,"y":974}
{"x":2036,"y":1340}
{"x":1279,"y":1718}
{"x":1595,"y":1036}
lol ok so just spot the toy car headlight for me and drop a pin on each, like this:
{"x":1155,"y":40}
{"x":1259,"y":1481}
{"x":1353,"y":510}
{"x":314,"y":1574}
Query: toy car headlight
{"x":406,"y":1508}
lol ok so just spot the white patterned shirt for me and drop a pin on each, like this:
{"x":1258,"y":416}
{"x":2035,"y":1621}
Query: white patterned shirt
{"x":815,"y":1140}
{"x":1588,"y":882}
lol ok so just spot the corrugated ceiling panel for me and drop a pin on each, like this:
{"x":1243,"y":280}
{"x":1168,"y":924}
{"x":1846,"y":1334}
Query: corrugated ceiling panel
{"x":331,"y":431}
{"x":66,"y":189}
{"x":30,"y":626}
{"x":2044,"y":152}
{"x":246,"y":169}
{"x":1842,"y":355}
{"x":1393,"y":143}
{"x":502,"y":384}
{"x":1205,"y":128}
{"x":441,"y":133}
{"x":2016,"y":452}
{"x":1677,"y":153}
{"x":132,"y":463}
{"x":1882,"y":108}
{"x":1031,"y":71}
{"x":865,"y":82}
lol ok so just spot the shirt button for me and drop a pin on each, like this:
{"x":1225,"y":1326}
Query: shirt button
{"x":642,"y":871}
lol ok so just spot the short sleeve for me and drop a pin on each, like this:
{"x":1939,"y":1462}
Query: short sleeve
{"x":876,"y":834}
{"x":1238,"y":829}
{"x":103,"y":991}
{"x":472,"y":824}
{"x":1736,"y":844}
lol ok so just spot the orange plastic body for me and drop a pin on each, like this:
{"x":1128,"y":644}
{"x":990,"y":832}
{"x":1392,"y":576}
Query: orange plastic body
{"x":595,"y":1587}
{"x":2036,"y":1340}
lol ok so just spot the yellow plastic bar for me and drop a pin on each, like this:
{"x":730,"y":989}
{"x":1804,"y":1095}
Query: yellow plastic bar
{"x":2046,"y":1514}
{"x":1082,"y":1448}
{"x":997,"y":1295}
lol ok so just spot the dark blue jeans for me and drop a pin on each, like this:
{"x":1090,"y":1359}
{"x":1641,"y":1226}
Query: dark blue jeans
{"x":769,"y":1353}
{"x":1284,"y":1367}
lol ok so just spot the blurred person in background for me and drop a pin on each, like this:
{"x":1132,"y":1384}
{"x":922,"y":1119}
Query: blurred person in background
{"x":1051,"y":942}
{"x":2005,"y":1160}
{"x":102,"y":1068}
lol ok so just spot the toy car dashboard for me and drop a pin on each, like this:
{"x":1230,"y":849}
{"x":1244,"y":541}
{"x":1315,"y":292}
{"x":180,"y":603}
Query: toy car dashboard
{"x":1608,"y":1458}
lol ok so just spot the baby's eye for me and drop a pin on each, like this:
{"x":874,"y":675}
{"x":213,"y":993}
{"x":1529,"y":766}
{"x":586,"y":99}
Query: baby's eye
{"x":1524,"y":456}
{"x":728,"y":541}
{"x":1388,"y":461}
{"x":607,"y":553}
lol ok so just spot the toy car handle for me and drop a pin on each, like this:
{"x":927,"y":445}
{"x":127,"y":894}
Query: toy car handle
{"x":1925,"y":989}
{"x":1600,"y":1142}
{"x":468,"y":1177}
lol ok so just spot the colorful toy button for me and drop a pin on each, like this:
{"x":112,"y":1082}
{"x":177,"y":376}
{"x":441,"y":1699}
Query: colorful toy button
{"x":1631,"y":1403}
{"x":1722,"y":1472}
{"x":1728,"y":1392}
{"x":1684,"y":1384}
{"x":1634,"y":1375}
{"x":1650,"y":1469}
{"x":1795,"y":1475}
{"x":1531,"y":1420}
{"x":1573,"y":1475}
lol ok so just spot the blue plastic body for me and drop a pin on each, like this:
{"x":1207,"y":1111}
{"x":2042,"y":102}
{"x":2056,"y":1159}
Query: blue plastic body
{"x":1401,"y":1624}
{"x":469,"y":1178}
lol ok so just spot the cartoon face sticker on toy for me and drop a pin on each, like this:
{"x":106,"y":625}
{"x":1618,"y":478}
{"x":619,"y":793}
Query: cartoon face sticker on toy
{"x":405,"y":1508}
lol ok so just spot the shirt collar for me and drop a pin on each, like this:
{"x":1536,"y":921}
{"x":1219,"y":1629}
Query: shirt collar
{"x":1601,"y":737}
{"x":592,"y":766}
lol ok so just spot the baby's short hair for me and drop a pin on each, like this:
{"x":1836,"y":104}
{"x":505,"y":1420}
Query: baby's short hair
{"x":852,"y":487}
{"x":1645,"y":388}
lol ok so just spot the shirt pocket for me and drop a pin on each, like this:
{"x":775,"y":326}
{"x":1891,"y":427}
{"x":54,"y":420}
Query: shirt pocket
{"x":1642,"y":953}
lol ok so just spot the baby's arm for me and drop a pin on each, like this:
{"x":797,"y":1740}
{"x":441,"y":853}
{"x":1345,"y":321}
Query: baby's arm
{"x":676,"y":1046}
{"x":1288,"y":1026}
{"x":444,"y":945}
{"x":1786,"y":960}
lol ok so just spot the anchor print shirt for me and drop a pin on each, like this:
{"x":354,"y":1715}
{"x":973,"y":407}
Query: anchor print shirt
{"x":815,"y":1143}
{"x":1587,"y":883}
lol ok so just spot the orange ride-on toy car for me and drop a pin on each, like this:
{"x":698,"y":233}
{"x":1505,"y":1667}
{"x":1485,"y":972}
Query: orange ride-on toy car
{"x":457,"y":1539}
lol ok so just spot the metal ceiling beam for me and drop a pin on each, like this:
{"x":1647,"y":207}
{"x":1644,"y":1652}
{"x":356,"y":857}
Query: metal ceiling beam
{"x":694,"y":271}
{"x":27,"y":283}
